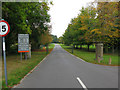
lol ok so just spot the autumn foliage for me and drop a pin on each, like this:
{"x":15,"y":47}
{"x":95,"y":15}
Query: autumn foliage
{"x":99,"y":22}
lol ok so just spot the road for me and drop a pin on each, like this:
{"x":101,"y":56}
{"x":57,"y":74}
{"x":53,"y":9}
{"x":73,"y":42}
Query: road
{"x":60,"y":69}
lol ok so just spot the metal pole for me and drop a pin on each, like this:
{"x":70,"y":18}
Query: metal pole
{"x":5,"y":65}
{"x":21,"y":56}
{"x":72,"y":49}
{"x":26,"y":55}
{"x":47,"y":49}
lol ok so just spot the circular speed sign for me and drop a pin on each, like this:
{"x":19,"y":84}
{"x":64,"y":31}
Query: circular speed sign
{"x":4,"y":28}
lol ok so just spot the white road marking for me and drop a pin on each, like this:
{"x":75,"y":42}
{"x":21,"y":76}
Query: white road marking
{"x":74,"y":56}
{"x":80,"y":59}
{"x":82,"y":84}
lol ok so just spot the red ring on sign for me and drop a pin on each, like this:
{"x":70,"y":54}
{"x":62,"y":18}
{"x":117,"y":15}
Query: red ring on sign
{"x":8,"y":28}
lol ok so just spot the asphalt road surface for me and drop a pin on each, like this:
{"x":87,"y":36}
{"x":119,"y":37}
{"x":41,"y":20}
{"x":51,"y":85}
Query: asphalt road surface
{"x":60,"y":69}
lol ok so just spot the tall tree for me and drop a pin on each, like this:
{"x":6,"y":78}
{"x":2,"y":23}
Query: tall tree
{"x":26,"y":17}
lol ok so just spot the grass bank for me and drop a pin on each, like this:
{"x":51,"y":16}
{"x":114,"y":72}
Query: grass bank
{"x":90,"y":56}
{"x":17,"y":69}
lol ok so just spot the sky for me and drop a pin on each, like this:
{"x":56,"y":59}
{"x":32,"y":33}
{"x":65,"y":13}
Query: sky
{"x":62,"y":12}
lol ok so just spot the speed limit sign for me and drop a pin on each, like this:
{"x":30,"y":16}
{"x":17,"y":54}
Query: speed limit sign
{"x":4,"y":28}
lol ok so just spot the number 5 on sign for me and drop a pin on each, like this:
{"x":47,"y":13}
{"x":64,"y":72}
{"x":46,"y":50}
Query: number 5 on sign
{"x":4,"y":28}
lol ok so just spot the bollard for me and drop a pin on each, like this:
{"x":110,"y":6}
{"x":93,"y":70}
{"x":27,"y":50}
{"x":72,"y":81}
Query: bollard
{"x":98,"y":60}
{"x":29,"y":53}
{"x":110,"y":61}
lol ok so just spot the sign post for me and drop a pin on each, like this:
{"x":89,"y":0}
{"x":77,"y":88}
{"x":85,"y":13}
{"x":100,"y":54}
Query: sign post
{"x":23,"y":44}
{"x":21,"y":56}
{"x":5,"y":65}
{"x":4,"y":30}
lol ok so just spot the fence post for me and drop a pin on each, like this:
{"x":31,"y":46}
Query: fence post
{"x":110,"y":60}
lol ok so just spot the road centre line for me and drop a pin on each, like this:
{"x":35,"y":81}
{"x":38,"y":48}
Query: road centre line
{"x":82,"y":84}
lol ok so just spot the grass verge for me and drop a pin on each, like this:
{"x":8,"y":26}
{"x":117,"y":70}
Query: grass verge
{"x":17,"y":69}
{"x":90,"y":56}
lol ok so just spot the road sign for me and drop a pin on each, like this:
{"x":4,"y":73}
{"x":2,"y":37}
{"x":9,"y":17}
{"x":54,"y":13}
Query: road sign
{"x":23,"y":43}
{"x":4,"y":28}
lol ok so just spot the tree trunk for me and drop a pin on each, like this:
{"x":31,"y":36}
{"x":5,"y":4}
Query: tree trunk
{"x":106,"y":48}
{"x":73,"y":46}
{"x":96,"y":51}
{"x":80,"y":46}
{"x":88,"y":47}
{"x":47,"y":49}
{"x":117,"y":49}
{"x":113,"y":51}
{"x":76,"y":46}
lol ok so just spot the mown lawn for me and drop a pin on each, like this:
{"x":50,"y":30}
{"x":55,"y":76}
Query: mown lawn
{"x":90,"y":56}
{"x":17,"y":69}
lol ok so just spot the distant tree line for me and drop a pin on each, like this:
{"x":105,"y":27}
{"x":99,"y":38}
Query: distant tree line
{"x":99,"y":22}
{"x":54,"y":39}
{"x":27,"y":18}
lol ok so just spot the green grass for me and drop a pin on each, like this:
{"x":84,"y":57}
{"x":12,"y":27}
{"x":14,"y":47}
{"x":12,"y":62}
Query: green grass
{"x":51,"y":46}
{"x":17,"y":69}
{"x":90,"y":56}
{"x":85,"y":46}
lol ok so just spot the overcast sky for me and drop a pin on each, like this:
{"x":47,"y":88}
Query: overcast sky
{"x":62,"y":12}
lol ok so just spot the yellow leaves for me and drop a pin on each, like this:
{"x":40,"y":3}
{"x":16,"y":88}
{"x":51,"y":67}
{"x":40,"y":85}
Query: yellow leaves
{"x":46,"y":38}
{"x":110,"y":35}
{"x":116,"y":25}
{"x":83,"y":28}
{"x":115,"y":33}
{"x":94,"y":30}
{"x":89,"y":16}
{"x":97,"y":32}
{"x":82,"y":21}
{"x":111,"y":24}
{"x":82,"y":17}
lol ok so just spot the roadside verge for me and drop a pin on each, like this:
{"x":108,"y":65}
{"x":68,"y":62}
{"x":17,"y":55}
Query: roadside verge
{"x":90,"y":56}
{"x":18,"y":70}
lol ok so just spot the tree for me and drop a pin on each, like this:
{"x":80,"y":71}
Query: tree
{"x":54,"y":39}
{"x":97,"y":23}
{"x":60,"y":39}
{"x":26,"y":17}
{"x":46,"y":38}
{"x":108,"y":17}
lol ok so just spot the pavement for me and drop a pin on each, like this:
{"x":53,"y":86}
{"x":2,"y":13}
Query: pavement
{"x":60,"y":69}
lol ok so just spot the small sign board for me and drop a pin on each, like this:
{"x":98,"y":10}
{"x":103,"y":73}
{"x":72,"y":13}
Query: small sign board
{"x":23,"y":43}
